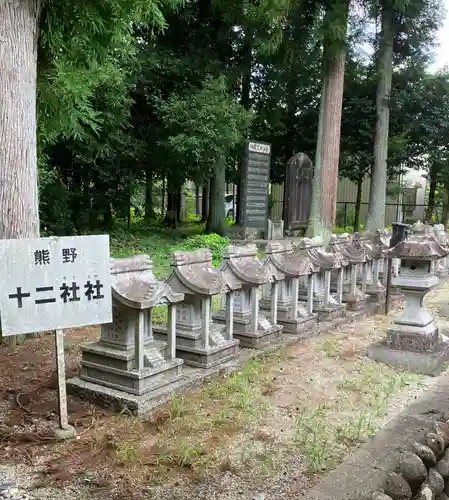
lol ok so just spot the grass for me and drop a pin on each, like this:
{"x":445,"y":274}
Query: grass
{"x":326,"y":432}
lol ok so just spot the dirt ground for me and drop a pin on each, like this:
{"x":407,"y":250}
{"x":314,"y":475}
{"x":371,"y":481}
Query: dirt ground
{"x":267,"y":432}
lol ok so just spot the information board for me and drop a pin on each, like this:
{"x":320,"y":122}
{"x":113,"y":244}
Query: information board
{"x":254,"y":185}
{"x":54,"y":283}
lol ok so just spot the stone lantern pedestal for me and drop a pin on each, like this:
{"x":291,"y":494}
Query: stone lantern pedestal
{"x":413,"y":341}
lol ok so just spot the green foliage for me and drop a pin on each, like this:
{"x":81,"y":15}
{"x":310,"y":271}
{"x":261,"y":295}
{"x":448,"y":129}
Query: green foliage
{"x":203,"y":126}
{"x":214,"y":242}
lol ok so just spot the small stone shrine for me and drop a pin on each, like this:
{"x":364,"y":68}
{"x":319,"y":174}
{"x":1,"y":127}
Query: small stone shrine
{"x":356,"y":255}
{"x":199,"y":340}
{"x":292,"y":314}
{"x":441,"y":266}
{"x":326,"y":305}
{"x":298,"y":193}
{"x":379,"y":252}
{"x":127,"y":357}
{"x":242,"y":267}
{"x":413,"y":341}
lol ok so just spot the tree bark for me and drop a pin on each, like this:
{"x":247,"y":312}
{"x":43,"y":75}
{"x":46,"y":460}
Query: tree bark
{"x":18,"y":153}
{"x":445,"y":215}
{"x":171,"y":216}
{"x":216,"y":220}
{"x":205,"y":202}
{"x":197,"y":200}
{"x":149,"y":209}
{"x":325,"y":181}
{"x":358,"y":203}
{"x":245,"y":101}
{"x":19,"y":201}
{"x":378,"y":189}
{"x":433,"y":174}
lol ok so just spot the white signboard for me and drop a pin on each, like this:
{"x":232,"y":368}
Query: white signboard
{"x":258,"y":147}
{"x":54,"y":283}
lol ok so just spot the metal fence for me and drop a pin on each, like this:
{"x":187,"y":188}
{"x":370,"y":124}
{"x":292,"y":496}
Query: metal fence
{"x":394,"y":212}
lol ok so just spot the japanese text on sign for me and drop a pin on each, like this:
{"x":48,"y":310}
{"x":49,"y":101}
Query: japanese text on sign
{"x":54,"y":283}
{"x":257,"y":147}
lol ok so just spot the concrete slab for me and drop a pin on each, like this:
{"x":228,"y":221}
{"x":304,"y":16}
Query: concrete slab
{"x":427,"y":363}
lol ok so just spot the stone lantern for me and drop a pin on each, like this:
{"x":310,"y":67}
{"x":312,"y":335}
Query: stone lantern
{"x":251,"y":327}
{"x":413,"y":341}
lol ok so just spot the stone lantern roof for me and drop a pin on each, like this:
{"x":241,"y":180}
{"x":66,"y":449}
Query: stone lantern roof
{"x":419,"y":246}
{"x":134,"y":284}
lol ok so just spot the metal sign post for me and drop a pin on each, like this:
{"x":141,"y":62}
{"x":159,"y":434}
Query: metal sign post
{"x":62,"y":391}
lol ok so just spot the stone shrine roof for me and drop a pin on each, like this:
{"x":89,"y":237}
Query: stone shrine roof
{"x":352,"y":249}
{"x":293,"y":264}
{"x":244,"y":265}
{"x":134,"y":284}
{"x":192,"y":273}
{"x":318,"y":255}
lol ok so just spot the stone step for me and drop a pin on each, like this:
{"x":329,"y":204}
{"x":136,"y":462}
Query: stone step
{"x":153,"y":358}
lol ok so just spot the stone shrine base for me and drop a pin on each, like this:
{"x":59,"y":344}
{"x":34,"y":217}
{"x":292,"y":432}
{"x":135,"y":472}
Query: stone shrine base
{"x":302,"y":325}
{"x":260,"y":339}
{"x":192,"y":378}
{"x":248,"y":338}
{"x":331,"y":313}
{"x":430,"y":363}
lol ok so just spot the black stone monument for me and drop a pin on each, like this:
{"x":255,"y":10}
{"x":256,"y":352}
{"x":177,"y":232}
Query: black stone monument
{"x":298,"y":193}
{"x":255,"y":180}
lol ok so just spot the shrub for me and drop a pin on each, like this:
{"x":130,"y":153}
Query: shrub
{"x":213,"y":241}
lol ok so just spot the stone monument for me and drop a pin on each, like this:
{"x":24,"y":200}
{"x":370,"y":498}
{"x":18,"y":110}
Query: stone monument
{"x":298,"y":193}
{"x":255,"y":179}
{"x":252,"y":328}
{"x":200,"y":341}
{"x":128,"y":357}
{"x":413,"y":341}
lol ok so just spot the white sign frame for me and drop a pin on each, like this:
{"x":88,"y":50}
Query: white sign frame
{"x":73,"y":271}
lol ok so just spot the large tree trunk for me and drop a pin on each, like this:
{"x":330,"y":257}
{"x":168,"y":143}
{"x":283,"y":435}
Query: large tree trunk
{"x":245,"y":101}
{"x":149,"y":209}
{"x":358,"y":203}
{"x":433,"y":174}
{"x":445,"y":214}
{"x":216,"y":220}
{"x":325,"y":181}
{"x":18,"y":161}
{"x":19,"y":202}
{"x":171,"y":216}
{"x":205,"y":202}
{"x":378,"y":189}
{"x":197,"y":200}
